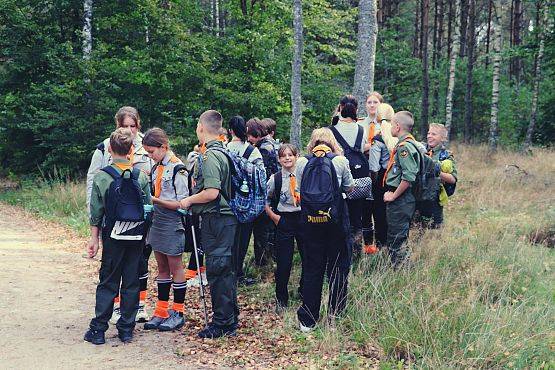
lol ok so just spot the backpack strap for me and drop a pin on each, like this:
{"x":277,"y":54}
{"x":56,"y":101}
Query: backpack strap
{"x":111,"y":171}
{"x":101,"y":147}
{"x":278,"y":183}
{"x":379,"y":138}
{"x":358,"y":140}
{"x":152,"y":170}
{"x":248,"y":152}
{"x":341,"y":140}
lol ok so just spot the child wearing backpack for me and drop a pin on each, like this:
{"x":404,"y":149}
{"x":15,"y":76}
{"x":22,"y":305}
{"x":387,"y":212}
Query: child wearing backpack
{"x":241,"y":147}
{"x":167,"y":233}
{"x":213,"y":188}
{"x":284,"y":209}
{"x":324,"y":175}
{"x":263,"y":228}
{"x":400,"y":179}
{"x":352,"y":137}
{"x":431,"y":211}
{"x":118,"y":195}
{"x":127,"y":117}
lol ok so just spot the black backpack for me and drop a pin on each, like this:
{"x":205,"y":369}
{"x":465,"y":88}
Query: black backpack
{"x":321,"y":198}
{"x":124,"y":213}
{"x":357,"y":160}
{"x":426,"y":186}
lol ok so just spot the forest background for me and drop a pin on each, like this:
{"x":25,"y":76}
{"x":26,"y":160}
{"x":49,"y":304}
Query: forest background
{"x":66,"y":66}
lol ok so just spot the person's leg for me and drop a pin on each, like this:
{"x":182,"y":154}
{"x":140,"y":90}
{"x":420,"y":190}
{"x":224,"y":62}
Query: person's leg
{"x":338,"y":265}
{"x":297,"y":228}
{"x":284,"y":258}
{"x":313,"y":275}
{"x":437,"y":215}
{"x":355,"y":220}
{"x":380,"y":222}
{"x":108,"y":287}
{"x":164,"y":282}
{"x":218,"y":234}
{"x":240,"y":247}
{"x":129,"y":288}
{"x":176,"y":320}
{"x":399,"y":215}
{"x":367,"y":224}
{"x":260,"y":236}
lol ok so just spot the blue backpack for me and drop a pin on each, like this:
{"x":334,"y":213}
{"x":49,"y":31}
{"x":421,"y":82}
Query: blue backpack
{"x":124,"y":213}
{"x":248,"y":186}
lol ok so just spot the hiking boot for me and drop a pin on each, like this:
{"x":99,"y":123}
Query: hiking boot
{"x":214,"y":331}
{"x":154,"y":323}
{"x":141,"y":316}
{"x":305,"y":329}
{"x":125,"y":336}
{"x":95,"y":337}
{"x":116,"y":314}
{"x":174,"y":322}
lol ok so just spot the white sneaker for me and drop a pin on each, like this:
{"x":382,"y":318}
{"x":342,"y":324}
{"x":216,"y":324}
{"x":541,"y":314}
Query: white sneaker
{"x":116,"y":314}
{"x":195,"y":282}
{"x":142,"y":315}
{"x":305,"y":329}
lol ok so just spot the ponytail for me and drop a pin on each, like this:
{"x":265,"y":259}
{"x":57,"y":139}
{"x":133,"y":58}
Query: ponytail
{"x":349,"y":106}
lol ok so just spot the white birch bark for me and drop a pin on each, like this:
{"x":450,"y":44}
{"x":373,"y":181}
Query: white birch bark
{"x":493,"y":128}
{"x":366,"y":52}
{"x":452,"y":70}
{"x":87,"y":29}
{"x":296,"y":101}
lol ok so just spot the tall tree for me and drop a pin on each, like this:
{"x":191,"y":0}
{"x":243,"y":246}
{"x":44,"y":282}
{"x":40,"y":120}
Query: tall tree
{"x":471,"y":46}
{"x":497,"y":30}
{"x":366,"y":51}
{"x":452,"y":70}
{"x":438,"y":46}
{"x":424,"y":26}
{"x":548,"y":25}
{"x":465,"y":4}
{"x":296,"y":100}
{"x":516,"y":40}
{"x":87,"y":29}
{"x":488,"y":31}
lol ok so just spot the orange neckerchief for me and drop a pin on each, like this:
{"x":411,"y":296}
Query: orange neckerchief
{"x":202,"y":148}
{"x":131,"y":154}
{"x":292,"y":189}
{"x":124,"y":166}
{"x":222,"y":138}
{"x":159,"y":173}
{"x":371,"y":132}
{"x":321,"y":150}
{"x":392,"y":157}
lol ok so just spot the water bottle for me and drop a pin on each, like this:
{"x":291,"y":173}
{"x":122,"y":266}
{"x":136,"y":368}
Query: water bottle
{"x":244,"y":188}
{"x":148,"y":208}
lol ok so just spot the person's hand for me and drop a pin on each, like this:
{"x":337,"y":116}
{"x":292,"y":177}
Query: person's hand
{"x":388,"y":196}
{"x":185,"y":203}
{"x":276,"y":219}
{"x":92,"y":247}
{"x":155,"y":200}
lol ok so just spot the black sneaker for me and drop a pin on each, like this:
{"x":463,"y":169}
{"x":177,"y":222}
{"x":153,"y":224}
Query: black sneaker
{"x":214,"y":331}
{"x":95,"y":336}
{"x":125,"y":336}
{"x":154,"y":323}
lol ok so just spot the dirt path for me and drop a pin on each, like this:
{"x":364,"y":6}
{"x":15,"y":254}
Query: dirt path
{"x":47,"y":289}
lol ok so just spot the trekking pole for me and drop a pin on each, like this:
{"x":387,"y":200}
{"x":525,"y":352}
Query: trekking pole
{"x":201,"y":285}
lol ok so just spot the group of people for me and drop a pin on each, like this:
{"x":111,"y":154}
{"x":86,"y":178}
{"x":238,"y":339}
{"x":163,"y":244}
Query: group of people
{"x":328,"y":223}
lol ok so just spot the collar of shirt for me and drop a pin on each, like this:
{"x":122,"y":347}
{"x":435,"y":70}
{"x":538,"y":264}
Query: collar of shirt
{"x":167,"y":158}
{"x":403,"y":137}
{"x":286,"y":173}
{"x":122,"y":164}
{"x":214,"y":142}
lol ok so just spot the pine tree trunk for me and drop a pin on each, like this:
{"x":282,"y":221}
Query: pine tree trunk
{"x":464,"y":25}
{"x":452,"y":69}
{"x":425,"y":70}
{"x":469,"y":71}
{"x":497,"y":30}
{"x":548,"y":25}
{"x":296,"y":101}
{"x":517,"y":25}
{"x":416,"y":37}
{"x":450,"y":27}
{"x":366,"y":51}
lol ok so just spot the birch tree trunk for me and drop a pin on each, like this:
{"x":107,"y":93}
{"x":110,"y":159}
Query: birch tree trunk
{"x":87,"y":29}
{"x":296,"y":101}
{"x":366,"y":51}
{"x":454,"y":49}
{"x":497,"y":31}
{"x":548,"y":25}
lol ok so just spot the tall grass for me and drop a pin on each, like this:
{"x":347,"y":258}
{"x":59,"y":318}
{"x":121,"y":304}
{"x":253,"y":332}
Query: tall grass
{"x":479,"y":294}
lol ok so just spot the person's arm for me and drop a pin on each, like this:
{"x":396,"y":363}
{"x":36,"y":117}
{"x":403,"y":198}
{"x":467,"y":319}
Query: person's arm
{"x":409,"y":168}
{"x":212,"y":183}
{"x":96,"y":213}
{"x":205,"y":196}
{"x":93,"y":244}
{"x":390,"y":196}
{"x":347,"y":181}
{"x":273,"y":216}
{"x":94,"y":167}
{"x":447,"y":178}
{"x":270,"y":190}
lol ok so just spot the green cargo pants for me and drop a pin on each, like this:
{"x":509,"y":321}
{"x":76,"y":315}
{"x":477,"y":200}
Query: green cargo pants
{"x":399,"y":214}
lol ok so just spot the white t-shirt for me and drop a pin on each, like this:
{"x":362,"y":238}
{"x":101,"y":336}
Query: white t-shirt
{"x":239,"y":148}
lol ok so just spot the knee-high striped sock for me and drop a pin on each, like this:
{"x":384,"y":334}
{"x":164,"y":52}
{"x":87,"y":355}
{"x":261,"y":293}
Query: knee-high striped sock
{"x":162,"y":305}
{"x":179,"y":290}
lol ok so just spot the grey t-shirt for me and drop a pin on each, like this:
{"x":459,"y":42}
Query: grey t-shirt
{"x":349,"y":131}
{"x":341,"y":164}
{"x":286,"y":202}
{"x":239,"y":148}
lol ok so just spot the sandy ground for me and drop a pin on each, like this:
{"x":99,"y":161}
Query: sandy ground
{"x":47,"y":300}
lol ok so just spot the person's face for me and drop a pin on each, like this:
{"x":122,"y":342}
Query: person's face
{"x":129,"y":123}
{"x":253,"y":140}
{"x":434,"y":137}
{"x":200,"y":133}
{"x":288,"y":160}
{"x":372,"y":105}
{"x":156,"y":153}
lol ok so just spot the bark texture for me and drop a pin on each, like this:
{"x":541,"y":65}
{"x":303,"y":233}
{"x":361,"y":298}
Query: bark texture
{"x":296,"y":100}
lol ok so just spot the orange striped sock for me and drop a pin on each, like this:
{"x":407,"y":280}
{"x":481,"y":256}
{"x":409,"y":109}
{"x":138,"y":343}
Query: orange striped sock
{"x":161,"y":309}
{"x":117,"y":299}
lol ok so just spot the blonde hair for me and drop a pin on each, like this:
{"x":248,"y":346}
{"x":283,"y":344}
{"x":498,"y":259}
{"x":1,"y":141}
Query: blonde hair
{"x":385,"y":112}
{"x":127,"y":112}
{"x":324,"y":136}
{"x":377,"y":95}
{"x":441,"y":128}
{"x":121,"y":141}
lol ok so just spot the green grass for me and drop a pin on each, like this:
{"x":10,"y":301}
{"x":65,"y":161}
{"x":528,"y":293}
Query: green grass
{"x":480,"y":294}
